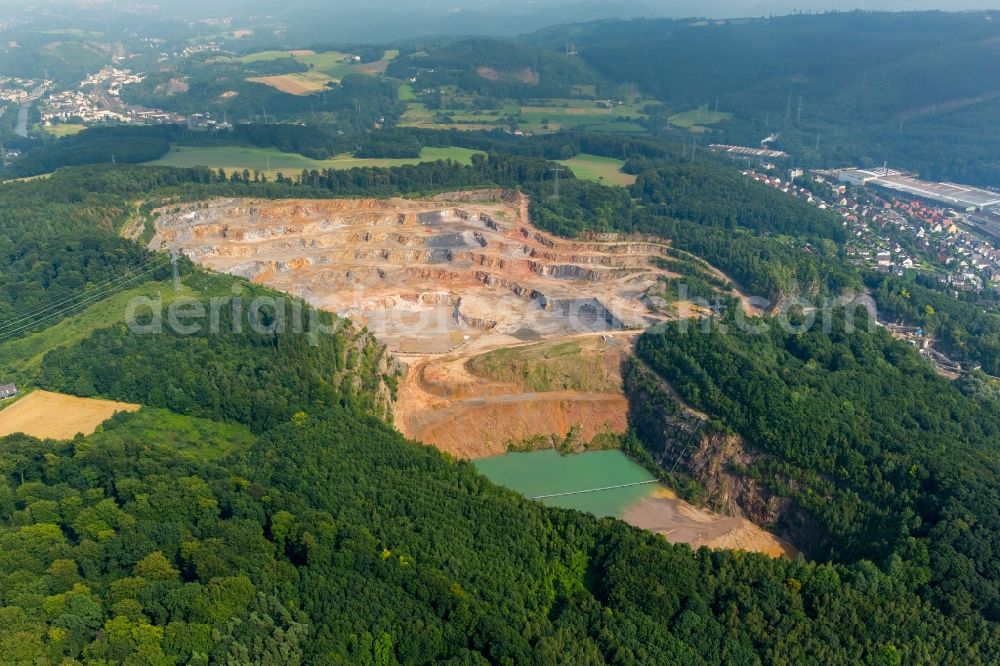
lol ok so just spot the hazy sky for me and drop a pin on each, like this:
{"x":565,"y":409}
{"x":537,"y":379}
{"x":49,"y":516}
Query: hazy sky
{"x":661,"y":7}
{"x":765,"y":7}
{"x":383,"y":20}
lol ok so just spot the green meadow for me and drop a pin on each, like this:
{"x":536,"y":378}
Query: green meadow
{"x":697,"y":120}
{"x":271,"y":160}
{"x":605,"y":170}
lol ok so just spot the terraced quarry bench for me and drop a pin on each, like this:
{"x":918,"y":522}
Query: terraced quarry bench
{"x":424,"y":276}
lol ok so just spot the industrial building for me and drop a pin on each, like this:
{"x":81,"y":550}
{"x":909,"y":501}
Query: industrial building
{"x":745,"y":151}
{"x":962,"y":197}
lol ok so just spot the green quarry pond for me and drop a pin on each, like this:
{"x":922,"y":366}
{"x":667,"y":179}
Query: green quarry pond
{"x":548,"y":473}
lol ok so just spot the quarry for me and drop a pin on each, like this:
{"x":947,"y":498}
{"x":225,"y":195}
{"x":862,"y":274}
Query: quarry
{"x":508,"y":336}
{"x":440,"y":282}
{"x":425,"y":276}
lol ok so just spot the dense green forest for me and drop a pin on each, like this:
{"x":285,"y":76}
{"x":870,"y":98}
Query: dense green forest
{"x":883,"y":459}
{"x":330,"y":539}
{"x":65,"y":60}
{"x":259,"y":508}
{"x":318,"y":535}
{"x":712,"y":196}
{"x":496,"y":68}
{"x":236,"y":367}
{"x":965,"y":329}
{"x":771,"y":244}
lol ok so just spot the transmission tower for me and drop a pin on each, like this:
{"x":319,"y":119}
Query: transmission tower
{"x":555,"y":183}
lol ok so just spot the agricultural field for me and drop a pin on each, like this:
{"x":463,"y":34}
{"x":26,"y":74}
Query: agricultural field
{"x":47,"y":415}
{"x":605,"y":170}
{"x":418,"y":115}
{"x":325,"y":68}
{"x":64,"y":129}
{"x":304,"y":83}
{"x":541,"y":115}
{"x":406,"y":93}
{"x":699,"y":120}
{"x":271,"y":160}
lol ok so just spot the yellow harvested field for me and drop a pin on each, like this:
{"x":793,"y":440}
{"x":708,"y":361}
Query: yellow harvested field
{"x":49,"y":415}
{"x":295,"y":84}
{"x":575,"y":111}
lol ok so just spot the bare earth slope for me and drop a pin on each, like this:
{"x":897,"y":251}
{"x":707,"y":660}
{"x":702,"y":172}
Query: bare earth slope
{"x":466,"y":406}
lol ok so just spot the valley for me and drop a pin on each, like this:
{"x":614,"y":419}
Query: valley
{"x":434,"y":348}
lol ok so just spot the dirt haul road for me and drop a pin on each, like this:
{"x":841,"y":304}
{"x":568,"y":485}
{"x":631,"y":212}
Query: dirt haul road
{"x":471,"y":415}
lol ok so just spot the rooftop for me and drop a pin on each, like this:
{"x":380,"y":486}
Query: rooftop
{"x":961,"y":196}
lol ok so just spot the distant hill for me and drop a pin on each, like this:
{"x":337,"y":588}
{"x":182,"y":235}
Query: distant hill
{"x":918,"y":89}
{"x":493,"y":66}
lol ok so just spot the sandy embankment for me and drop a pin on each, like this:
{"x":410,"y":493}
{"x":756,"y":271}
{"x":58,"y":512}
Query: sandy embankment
{"x":664,"y":513}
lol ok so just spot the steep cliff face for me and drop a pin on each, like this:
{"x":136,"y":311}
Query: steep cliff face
{"x":685,"y":442}
{"x":719,"y":463}
{"x":372,"y":371}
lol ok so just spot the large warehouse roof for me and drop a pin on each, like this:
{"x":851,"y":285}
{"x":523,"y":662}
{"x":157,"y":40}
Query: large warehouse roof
{"x":960,"y":196}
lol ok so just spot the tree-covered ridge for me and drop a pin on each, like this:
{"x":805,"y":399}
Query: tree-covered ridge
{"x":496,"y":67}
{"x":257,"y":357}
{"x":963,"y":328}
{"x":882,"y":458}
{"x":838,"y":88}
{"x":771,"y":244}
{"x":329,"y":539}
{"x":710,"y":195}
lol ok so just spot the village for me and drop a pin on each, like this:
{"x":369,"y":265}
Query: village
{"x":896,"y":234}
{"x":17,"y":90}
{"x":98,"y":99}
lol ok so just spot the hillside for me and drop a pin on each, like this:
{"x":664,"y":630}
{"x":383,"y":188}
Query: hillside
{"x":261,"y":506}
{"x":913,"y":88}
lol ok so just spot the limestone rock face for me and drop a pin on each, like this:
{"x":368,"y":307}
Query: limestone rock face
{"x":424,"y":276}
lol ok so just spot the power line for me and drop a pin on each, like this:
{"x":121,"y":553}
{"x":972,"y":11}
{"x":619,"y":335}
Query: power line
{"x":555,"y":184}
{"x":594,"y":490}
{"x":11,"y":333}
{"x":64,"y":301}
{"x":101,"y":285}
